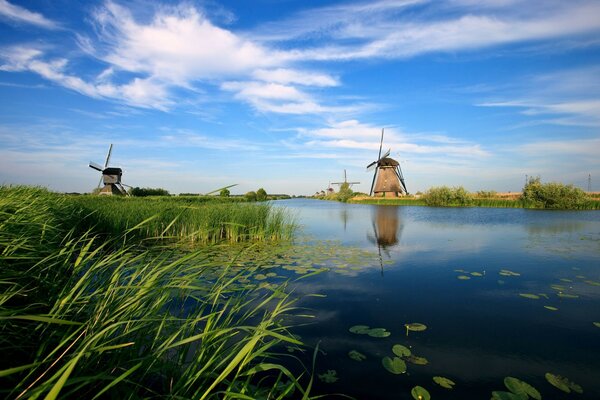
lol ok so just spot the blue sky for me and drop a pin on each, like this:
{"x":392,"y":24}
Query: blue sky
{"x":287,"y":94}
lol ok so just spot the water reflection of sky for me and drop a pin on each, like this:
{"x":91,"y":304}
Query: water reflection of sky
{"x":480,"y":330}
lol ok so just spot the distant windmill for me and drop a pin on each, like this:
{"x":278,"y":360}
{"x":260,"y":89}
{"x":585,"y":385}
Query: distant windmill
{"x":111,"y":177}
{"x":388,"y":175}
{"x":345,"y":181}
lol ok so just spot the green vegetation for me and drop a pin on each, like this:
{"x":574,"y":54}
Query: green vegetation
{"x":199,"y":220}
{"x":553,"y":195}
{"x":535,"y":195}
{"x":444,"y":196}
{"x":261,"y":195}
{"x":224,"y":192}
{"x":145,"y":192}
{"x":344,"y":194}
{"x":89,"y":315}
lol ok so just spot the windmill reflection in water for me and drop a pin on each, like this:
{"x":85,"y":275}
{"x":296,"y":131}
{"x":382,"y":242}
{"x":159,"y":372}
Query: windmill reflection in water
{"x":386,"y":230}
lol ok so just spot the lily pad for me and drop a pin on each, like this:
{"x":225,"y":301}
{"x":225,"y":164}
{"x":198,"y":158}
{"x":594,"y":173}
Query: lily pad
{"x":597,"y":324}
{"x":551,"y":308}
{"x":329,"y":377}
{"x":356,"y":356}
{"x":566,"y":280}
{"x":506,"y":272}
{"x":519,"y":387}
{"x":567,"y":295}
{"x":415,"y":327}
{"x":417,"y":360}
{"x":378,"y":332}
{"x":593,"y":283}
{"x":497,"y":395}
{"x":401,"y":351}
{"x":476,"y":274}
{"x":359,"y":329}
{"x":463,"y":277}
{"x":529,"y":296}
{"x":420,"y":393}
{"x":444,"y":382}
{"x":394,"y":365}
{"x":563,"y":383}
{"x":260,"y":277}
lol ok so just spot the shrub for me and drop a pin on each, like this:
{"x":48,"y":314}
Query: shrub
{"x":345,"y":193}
{"x":261,"y":194}
{"x":224,"y":193}
{"x":444,"y":196}
{"x":250,"y":196}
{"x":553,"y":195}
{"x":144,"y":192}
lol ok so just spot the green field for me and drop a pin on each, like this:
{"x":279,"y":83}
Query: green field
{"x":120,"y":298}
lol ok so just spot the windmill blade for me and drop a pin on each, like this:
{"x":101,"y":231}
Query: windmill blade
{"x":380,"y":145}
{"x":108,"y":156}
{"x":386,"y":154}
{"x":370,"y":166}
{"x":373,"y":183}
{"x":401,"y":178}
{"x":96,"y":166}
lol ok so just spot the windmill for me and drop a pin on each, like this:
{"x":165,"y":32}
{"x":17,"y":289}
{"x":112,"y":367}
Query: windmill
{"x":111,"y":177}
{"x":345,"y":181}
{"x":386,"y":229}
{"x":388,"y":179}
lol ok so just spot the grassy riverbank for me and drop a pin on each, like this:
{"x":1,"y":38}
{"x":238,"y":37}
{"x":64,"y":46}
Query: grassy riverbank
{"x":86,"y":312}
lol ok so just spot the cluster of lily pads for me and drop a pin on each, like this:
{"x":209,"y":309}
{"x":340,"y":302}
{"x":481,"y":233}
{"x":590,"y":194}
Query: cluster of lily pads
{"x":520,"y":390}
{"x":466,"y":275}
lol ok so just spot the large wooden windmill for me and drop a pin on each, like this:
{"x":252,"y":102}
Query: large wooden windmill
{"x":111,"y":177}
{"x":388,"y":180}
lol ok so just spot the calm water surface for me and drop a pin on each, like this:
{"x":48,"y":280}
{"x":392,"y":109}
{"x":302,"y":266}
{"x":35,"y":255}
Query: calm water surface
{"x":479,"y":330}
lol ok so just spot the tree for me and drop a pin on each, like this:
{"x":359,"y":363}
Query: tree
{"x":261,"y":194}
{"x":552,"y":195}
{"x":224,"y":192}
{"x":143,"y":192}
{"x":345,"y":193}
{"x":251,"y":196}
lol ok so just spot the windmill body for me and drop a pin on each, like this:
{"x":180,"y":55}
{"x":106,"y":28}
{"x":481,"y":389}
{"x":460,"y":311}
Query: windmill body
{"x":111,"y":177}
{"x":388,"y":180}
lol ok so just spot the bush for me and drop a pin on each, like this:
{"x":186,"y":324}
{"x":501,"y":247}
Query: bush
{"x":345,"y":193}
{"x":553,"y":195}
{"x":144,"y":192}
{"x":261,"y":194}
{"x":224,"y":192}
{"x":444,"y":196}
{"x":250,"y":196}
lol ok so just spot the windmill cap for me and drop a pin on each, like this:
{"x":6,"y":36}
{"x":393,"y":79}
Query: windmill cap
{"x":112,"y":171}
{"x":388,"y":162}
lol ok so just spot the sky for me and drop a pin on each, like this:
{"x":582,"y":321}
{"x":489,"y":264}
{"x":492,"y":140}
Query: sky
{"x":287,"y":94}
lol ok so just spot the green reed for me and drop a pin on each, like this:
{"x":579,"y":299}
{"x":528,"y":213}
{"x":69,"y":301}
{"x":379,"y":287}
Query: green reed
{"x":203,"y":222}
{"x":88,"y":316}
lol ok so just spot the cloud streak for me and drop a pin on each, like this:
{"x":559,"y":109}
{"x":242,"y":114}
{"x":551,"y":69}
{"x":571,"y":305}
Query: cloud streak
{"x":22,"y":15}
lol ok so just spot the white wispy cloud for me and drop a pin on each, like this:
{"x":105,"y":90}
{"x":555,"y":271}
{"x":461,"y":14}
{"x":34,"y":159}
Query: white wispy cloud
{"x":359,"y":136}
{"x":567,"y":97}
{"x":22,"y":15}
{"x":140,"y":92}
{"x":404,"y":29}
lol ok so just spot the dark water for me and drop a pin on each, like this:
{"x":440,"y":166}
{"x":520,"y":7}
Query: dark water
{"x":479,"y":330}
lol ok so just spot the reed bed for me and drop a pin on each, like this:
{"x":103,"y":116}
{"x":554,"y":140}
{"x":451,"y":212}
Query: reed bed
{"x":87,"y":316}
{"x":202,"y":222}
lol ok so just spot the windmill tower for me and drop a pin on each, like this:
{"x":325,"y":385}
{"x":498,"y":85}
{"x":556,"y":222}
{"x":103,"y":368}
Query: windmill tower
{"x":388,"y":180}
{"x":345,"y":181}
{"x":111,"y":177}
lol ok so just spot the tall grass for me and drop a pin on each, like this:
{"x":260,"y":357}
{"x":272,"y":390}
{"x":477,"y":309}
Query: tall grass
{"x":177,"y":218}
{"x":83,"y":316}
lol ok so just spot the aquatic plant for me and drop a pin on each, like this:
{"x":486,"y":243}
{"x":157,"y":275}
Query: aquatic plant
{"x":89,"y":316}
